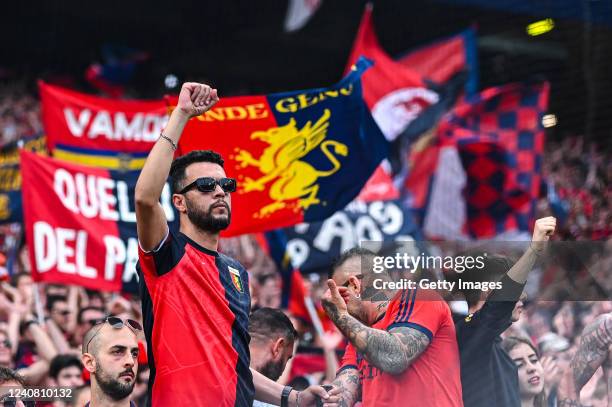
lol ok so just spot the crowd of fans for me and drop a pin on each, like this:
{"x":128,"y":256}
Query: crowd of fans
{"x":42,"y":325}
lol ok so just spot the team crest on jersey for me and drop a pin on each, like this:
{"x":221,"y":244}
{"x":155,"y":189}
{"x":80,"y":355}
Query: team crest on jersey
{"x":235,"y":275}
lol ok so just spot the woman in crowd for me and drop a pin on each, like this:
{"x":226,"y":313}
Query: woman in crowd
{"x":530,"y":371}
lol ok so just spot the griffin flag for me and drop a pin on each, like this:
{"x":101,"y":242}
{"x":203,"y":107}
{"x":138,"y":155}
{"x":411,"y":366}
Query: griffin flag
{"x":298,"y":156}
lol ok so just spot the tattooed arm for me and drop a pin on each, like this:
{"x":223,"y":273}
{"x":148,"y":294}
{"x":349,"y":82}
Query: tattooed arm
{"x":593,"y":352}
{"x":593,"y":349}
{"x":350,"y":388}
{"x":391,"y":352}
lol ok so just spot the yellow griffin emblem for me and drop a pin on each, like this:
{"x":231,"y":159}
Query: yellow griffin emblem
{"x":281,"y":163}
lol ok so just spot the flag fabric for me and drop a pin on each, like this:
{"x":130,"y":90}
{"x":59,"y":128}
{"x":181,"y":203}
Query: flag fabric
{"x":106,"y":133}
{"x":379,"y":187}
{"x":395,"y":94}
{"x":298,"y":156}
{"x":80,"y":223}
{"x":313,"y":247}
{"x":481,"y":175}
{"x":299,"y":13}
{"x":117,"y":69}
{"x":10,"y":176}
{"x":294,"y":290}
{"x":439,"y":61}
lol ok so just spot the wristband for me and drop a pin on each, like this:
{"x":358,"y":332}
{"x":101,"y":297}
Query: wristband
{"x":172,"y":143}
{"x":285,"y":396}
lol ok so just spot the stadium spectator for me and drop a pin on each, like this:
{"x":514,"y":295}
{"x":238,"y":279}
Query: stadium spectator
{"x":398,"y":347}
{"x":530,"y":371}
{"x":10,"y":380}
{"x":184,"y":270}
{"x":66,"y":371}
{"x":487,"y":374}
{"x":272,"y":341}
{"x":110,"y":354}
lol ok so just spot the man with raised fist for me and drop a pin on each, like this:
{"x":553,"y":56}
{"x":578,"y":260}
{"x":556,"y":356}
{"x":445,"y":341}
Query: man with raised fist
{"x":195,"y":300}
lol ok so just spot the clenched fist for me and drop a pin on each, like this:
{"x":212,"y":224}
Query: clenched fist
{"x":196,"y":98}
{"x":543,"y":229}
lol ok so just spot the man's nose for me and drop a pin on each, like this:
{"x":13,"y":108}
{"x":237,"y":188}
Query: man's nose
{"x":218,"y":192}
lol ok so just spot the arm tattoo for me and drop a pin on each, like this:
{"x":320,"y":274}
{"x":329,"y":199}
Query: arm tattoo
{"x":350,"y":387}
{"x":391,"y":352}
{"x":593,"y":350}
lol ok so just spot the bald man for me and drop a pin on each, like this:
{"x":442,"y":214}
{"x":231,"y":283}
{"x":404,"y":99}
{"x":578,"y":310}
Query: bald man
{"x":110,"y":354}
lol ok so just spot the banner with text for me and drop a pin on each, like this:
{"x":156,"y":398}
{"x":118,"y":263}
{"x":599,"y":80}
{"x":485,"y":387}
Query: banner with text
{"x":10,"y":176}
{"x":81,"y":223}
{"x":313,"y":247}
{"x":298,"y":156}
{"x":98,"y":131}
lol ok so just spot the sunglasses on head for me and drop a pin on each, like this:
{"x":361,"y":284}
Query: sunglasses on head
{"x":116,"y":323}
{"x":208,"y":184}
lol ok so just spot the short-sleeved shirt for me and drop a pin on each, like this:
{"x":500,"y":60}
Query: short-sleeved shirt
{"x":433,"y":379}
{"x":196,"y":306}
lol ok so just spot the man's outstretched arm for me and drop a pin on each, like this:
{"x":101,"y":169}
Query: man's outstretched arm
{"x":542,"y":230}
{"x":194,"y":100}
{"x":391,"y":351}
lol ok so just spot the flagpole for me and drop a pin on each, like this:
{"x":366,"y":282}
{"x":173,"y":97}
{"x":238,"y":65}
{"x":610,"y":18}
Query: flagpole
{"x":38,"y":304}
{"x":314,"y":317}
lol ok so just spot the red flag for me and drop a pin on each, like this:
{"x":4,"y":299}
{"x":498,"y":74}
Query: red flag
{"x":80,"y":223}
{"x":395,"y":94}
{"x":97,"y":131}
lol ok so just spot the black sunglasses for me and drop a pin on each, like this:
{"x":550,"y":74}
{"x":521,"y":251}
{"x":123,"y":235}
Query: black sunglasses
{"x":208,"y":184}
{"x":116,"y":323}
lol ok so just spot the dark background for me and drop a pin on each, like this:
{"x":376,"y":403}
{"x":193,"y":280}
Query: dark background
{"x":240,"y":46}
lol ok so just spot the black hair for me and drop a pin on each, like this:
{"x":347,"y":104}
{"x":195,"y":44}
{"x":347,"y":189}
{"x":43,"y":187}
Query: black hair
{"x":349,"y":254}
{"x":52,"y":299}
{"x":266,"y":322}
{"x":60,"y":362}
{"x":495,"y":267}
{"x":83,"y":310}
{"x":9,"y":375}
{"x":180,"y":164}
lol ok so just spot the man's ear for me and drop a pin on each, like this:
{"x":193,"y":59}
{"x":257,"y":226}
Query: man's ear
{"x":178,"y":200}
{"x":88,"y":362}
{"x":277,"y":347}
{"x":355,"y":283}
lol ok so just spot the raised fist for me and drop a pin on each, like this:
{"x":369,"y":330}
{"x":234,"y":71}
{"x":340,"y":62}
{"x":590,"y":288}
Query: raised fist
{"x":196,"y":98}
{"x":543,"y":229}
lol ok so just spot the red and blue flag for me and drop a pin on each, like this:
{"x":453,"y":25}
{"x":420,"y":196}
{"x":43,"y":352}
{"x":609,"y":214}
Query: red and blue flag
{"x":298,"y":156}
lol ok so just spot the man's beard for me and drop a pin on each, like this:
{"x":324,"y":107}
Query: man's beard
{"x":113,"y":388}
{"x":272,"y":370}
{"x":205,"y":220}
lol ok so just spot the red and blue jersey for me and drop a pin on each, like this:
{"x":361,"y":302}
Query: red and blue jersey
{"x":433,"y":379}
{"x":196,"y":306}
